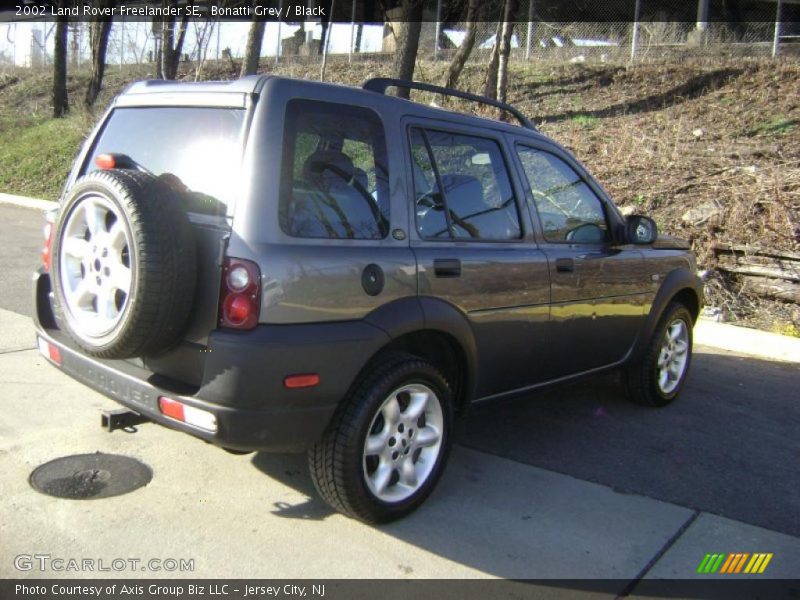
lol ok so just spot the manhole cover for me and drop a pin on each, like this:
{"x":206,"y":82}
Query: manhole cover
{"x":88,"y":476}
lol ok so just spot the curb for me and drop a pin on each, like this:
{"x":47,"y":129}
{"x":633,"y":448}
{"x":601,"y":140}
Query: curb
{"x":25,"y":202}
{"x":743,"y":340}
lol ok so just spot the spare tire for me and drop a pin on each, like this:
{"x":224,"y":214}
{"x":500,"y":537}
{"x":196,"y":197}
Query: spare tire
{"x":124,"y":264}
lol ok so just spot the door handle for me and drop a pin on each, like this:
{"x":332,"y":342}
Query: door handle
{"x":565,"y":265}
{"x":447,"y":267}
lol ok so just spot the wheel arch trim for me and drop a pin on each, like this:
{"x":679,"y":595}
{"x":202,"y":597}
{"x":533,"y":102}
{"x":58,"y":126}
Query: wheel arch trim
{"x":677,"y":282}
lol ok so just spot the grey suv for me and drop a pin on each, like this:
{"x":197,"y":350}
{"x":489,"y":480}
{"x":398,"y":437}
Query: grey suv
{"x":282,"y":265}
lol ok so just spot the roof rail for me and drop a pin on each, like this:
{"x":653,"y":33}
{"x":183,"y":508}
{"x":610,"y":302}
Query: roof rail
{"x":379,"y":85}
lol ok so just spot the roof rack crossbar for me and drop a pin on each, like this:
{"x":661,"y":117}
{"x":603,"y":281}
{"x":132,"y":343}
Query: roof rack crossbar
{"x":379,"y":85}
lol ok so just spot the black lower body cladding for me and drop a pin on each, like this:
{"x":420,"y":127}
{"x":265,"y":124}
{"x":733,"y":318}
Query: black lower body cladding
{"x":243,"y":378}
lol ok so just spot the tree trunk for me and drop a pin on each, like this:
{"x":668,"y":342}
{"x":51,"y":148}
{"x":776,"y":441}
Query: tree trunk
{"x":407,"y":35}
{"x":176,"y":54}
{"x":253,"y":50}
{"x":460,"y":58}
{"x":170,"y":47}
{"x":359,"y":33}
{"x":74,"y":44}
{"x":505,"y":50}
{"x":490,"y":84}
{"x":98,"y":35}
{"x":166,"y":46}
{"x":60,"y":103}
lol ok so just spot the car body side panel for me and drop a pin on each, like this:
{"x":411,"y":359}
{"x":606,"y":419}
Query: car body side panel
{"x":308,"y":280}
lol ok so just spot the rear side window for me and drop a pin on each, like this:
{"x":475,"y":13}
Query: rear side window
{"x":334,"y":178}
{"x":196,"y":151}
{"x":462,"y":188}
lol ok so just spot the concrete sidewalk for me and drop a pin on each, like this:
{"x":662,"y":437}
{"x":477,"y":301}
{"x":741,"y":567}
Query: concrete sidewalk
{"x":257,"y":515}
{"x":26,"y":202}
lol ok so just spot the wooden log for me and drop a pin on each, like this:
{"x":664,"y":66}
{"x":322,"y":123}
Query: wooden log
{"x":771,"y":288}
{"x":720,"y":247}
{"x":761,"y":271}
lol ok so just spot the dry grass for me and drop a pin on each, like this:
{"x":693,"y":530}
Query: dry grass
{"x":662,"y":138}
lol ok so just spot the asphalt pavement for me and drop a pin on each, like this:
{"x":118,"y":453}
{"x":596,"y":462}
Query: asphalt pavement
{"x":573,"y":482}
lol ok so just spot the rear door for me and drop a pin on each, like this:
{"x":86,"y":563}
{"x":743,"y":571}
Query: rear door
{"x":475,"y":251}
{"x":598,"y":288}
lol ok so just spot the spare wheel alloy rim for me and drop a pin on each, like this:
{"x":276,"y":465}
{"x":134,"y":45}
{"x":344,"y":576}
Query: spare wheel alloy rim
{"x":403,"y":443}
{"x":95,"y":265}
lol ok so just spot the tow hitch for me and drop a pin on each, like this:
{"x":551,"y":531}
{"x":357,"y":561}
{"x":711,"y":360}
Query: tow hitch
{"x":121,"y":419}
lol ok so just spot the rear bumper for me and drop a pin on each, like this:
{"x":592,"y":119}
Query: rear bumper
{"x":242,"y":379}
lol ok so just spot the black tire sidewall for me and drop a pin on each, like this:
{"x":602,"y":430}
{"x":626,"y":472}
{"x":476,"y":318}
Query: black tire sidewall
{"x":80,"y":191}
{"x":659,"y":398}
{"x":163,"y":262}
{"x":399,"y":375}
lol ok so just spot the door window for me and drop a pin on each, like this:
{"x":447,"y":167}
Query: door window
{"x":461,"y":188}
{"x":569,"y":210}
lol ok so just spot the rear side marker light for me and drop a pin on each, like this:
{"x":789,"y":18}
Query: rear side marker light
{"x":301,"y":381}
{"x":187,"y":414}
{"x":49,"y":351}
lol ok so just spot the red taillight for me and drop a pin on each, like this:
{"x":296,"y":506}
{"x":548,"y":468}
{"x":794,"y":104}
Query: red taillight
{"x":237,"y":309}
{"x":48,"y":245}
{"x":105,"y":161}
{"x":240,"y":294}
{"x":301,"y":381}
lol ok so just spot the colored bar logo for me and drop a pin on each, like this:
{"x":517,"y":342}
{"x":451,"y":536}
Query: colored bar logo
{"x":735,"y":562}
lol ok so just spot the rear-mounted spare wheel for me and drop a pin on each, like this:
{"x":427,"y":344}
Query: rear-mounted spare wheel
{"x":124,"y":264}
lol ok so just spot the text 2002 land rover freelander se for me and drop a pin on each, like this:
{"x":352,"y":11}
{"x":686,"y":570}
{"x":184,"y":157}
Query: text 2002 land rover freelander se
{"x":272,"y":264}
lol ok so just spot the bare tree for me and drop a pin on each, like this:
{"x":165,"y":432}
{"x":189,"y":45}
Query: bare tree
{"x":461,"y":56}
{"x":497,"y":72}
{"x":253,"y":50}
{"x":60,"y":101}
{"x":74,"y":44}
{"x":98,"y":36}
{"x":171,"y":46}
{"x":490,"y":83}
{"x":407,"y":32}
{"x":505,"y":49}
{"x":202,"y":41}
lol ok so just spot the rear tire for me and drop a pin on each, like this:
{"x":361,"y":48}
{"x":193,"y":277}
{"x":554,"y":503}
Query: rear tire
{"x":658,"y":378}
{"x":124,"y":264}
{"x":387,"y":444}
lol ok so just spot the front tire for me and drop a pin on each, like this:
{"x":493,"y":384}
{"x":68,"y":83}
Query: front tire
{"x":658,"y":378}
{"x":387,"y":445}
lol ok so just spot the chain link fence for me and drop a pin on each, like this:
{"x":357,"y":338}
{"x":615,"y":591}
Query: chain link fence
{"x":30,"y":44}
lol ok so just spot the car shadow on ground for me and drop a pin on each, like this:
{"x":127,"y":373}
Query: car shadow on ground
{"x":728,"y":447}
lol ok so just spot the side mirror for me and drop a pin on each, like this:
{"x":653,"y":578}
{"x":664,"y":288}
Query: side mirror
{"x":640,"y":230}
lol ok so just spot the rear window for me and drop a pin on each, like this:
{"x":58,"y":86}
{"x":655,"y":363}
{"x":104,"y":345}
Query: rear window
{"x":196,"y":151}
